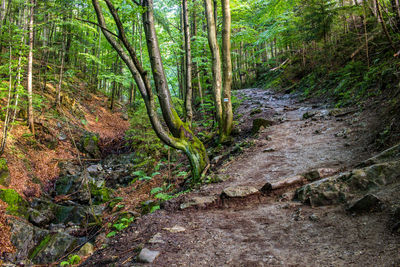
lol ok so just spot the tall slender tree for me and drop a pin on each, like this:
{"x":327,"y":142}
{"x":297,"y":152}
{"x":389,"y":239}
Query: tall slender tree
{"x":30,"y":69}
{"x":188,"y":65}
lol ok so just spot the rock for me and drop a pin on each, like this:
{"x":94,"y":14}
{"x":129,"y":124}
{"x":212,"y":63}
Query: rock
{"x":367,"y":203}
{"x":175,"y":229}
{"x":201,"y":202}
{"x":94,"y":168}
{"x":24,"y":237}
{"x":312,"y":176}
{"x":68,"y":168}
{"x":16,"y":204}
{"x":343,"y":187}
{"x":86,"y":250}
{"x":52,"y":247}
{"x":147,"y":255}
{"x":5,"y":177}
{"x":40,"y":218}
{"x":258,"y":123}
{"x":64,"y":185}
{"x":156,"y":239}
{"x":239,"y":191}
{"x":62,"y":136}
{"x":89,"y":143}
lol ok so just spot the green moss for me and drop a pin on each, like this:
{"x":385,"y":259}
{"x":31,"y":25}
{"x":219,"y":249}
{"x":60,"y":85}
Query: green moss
{"x":4,"y":173}
{"x":100,"y":194}
{"x":16,"y":204}
{"x":41,"y":246}
{"x":3,"y":164}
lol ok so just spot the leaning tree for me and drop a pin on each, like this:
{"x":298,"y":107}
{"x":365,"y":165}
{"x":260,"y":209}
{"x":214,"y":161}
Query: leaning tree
{"x":178,"y":133}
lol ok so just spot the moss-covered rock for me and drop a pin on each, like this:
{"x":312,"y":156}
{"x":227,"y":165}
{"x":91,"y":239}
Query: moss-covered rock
{"x":64,"y":185}
{"x":24,"y":237}
{"x":100,"y":193}
{"x":5,"y":177}
{"x":344,"y":187}
{"x":52,"y":247}
{"x":258,"y":123}
{"x":90,"y":144}
{"x":16,"y":204}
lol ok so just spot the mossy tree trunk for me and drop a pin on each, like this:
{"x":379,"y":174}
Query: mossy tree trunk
{"x":179,"y":134}
{"x":222,"y":91}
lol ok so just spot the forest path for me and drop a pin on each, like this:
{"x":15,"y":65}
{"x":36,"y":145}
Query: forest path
{"x":267,"y":230}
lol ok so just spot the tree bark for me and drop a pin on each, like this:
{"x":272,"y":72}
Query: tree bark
{"x":216,"y":60}
{"x":30,"y":63}
{"x":188,"y":64}
{"x":227,"y":71}
{"x":383,"y":23}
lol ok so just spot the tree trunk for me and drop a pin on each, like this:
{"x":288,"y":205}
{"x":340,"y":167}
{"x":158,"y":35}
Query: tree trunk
{"x":227,"y":71}
{"x":30,"y":63}
{"x":58,"y":101}
{"x":188,"y":64}
{"x":7,"y":118}
{"x":216,"y":61}
{"x":383,"y":23}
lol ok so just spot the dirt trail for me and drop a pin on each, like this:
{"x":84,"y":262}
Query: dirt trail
{"x":269,"y":230}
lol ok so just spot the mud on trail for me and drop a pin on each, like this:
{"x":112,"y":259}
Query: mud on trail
{"x":268,"y":229}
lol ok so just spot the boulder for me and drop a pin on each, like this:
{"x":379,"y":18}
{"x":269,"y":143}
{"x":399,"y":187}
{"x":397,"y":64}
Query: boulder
{"x":343,"y":187}
{"x":89,"y":144}
{"x":367,"y":203}
{"x":24,"y":237}
{"x":5,"y":177}
{"x":52,"y":247}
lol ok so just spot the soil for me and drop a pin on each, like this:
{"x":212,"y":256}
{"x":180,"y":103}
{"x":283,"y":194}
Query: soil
{"x":271,"y":230}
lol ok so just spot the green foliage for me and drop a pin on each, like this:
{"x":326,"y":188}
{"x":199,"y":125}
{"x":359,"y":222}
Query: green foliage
{"x":72,"y":260}
{"x":121,"y":224}
{"x":142,"y":176}
{"x":142,"y":138}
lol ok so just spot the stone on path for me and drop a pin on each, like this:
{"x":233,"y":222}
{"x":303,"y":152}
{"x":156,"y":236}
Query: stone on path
{"x":175,"y":229}
{"x":239,"y":191}
{"x":147,"y":255}
{"x":156,"y":239}
{"x":198,"y":202}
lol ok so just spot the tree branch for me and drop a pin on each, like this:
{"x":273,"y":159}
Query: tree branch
{"x":98,"y":25}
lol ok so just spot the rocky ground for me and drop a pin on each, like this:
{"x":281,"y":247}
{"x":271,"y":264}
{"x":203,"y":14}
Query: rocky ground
{"x":301,"y":193}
